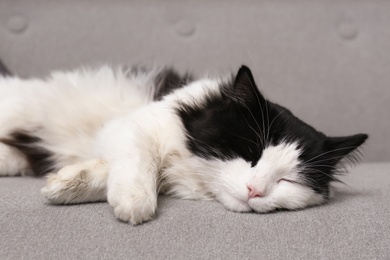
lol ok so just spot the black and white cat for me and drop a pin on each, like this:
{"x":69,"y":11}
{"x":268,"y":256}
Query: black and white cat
{"x":126,"y":135}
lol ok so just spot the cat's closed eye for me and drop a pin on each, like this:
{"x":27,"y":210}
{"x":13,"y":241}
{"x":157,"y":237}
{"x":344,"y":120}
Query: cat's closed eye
{"x":287,"y":180}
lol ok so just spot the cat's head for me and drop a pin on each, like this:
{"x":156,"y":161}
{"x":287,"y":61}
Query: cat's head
{"x":261,"y":157}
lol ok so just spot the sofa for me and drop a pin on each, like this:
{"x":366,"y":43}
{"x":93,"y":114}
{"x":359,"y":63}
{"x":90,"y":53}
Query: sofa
{"x":327,"y":61}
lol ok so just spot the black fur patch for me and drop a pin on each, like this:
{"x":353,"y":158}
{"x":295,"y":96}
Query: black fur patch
{"x":167,"y":81}
{"x":38,"y":158}
{"x":224,"y":127}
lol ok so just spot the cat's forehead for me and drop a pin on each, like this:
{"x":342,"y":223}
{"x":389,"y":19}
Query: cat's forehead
{"x":285,"y":152}
{"x":278,"y":160}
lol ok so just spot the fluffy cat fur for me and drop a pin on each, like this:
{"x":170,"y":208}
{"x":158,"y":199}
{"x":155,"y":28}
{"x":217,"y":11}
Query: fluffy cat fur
{"x":126,"y":135}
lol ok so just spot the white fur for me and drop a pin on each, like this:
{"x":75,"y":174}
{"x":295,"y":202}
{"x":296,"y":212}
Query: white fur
{"x":137,"y":146}
{"x":276,"y":176}
{"x":78,"y":183}
{"x":12,"y":162}
{"x":68,"y":109}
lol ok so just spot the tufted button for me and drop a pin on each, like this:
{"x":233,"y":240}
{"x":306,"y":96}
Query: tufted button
{"x":348,"y":30}
{"x":17,"y":24}
{"x":185,"y":28}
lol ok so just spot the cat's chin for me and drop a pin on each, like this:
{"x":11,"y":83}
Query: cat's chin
{"x":252,"y":205}
{"x":239,"y":207}
{"x":234,"y":204}
{"x":269,"y":204}
{"x":260,"y":207}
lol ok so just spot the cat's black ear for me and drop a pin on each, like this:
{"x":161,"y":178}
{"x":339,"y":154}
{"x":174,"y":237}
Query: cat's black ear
{"x":343,"y":147}
{"x":245,"y":89}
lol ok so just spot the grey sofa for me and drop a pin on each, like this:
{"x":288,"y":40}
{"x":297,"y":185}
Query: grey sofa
{"x":328,"y":61}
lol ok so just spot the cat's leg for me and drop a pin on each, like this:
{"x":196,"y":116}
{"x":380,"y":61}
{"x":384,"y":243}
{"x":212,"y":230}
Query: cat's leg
{"x":78,"y":183}
{"x":132,"y":195}
{"x":132,"y":189}
{"x":12,"y":162}
{"x":133,"y":159}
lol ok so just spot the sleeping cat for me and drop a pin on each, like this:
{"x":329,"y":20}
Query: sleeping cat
{"x":126,"y":135}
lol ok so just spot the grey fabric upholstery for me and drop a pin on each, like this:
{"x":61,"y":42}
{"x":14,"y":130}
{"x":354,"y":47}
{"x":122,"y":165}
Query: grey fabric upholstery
{"x":353,"y":225}
{"x":328,"y":61}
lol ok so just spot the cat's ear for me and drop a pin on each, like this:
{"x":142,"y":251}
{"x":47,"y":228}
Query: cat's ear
{"x":339,"y":148}
{"x":245,"y":89}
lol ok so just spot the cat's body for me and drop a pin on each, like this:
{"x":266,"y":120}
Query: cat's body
{"x":126,"y":135}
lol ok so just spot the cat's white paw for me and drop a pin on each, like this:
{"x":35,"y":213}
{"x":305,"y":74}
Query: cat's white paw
{"x":59,"y":189}
{"x":134,"y":208}
{"x":82,"y":182}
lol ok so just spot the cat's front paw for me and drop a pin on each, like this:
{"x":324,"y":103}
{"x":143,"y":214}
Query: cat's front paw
{"x":77,"y":183}
{"x":134,"y":209}
{"x":58,"y":190}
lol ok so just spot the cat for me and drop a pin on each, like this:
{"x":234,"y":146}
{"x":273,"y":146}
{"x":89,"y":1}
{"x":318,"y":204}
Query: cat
{"x":126,"y":135}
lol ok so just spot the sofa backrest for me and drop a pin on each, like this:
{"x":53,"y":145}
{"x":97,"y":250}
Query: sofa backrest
{"x":328,"y":61}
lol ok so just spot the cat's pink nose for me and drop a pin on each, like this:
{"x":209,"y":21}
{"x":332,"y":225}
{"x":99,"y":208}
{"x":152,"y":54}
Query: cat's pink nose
{"x":253,"y":192}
